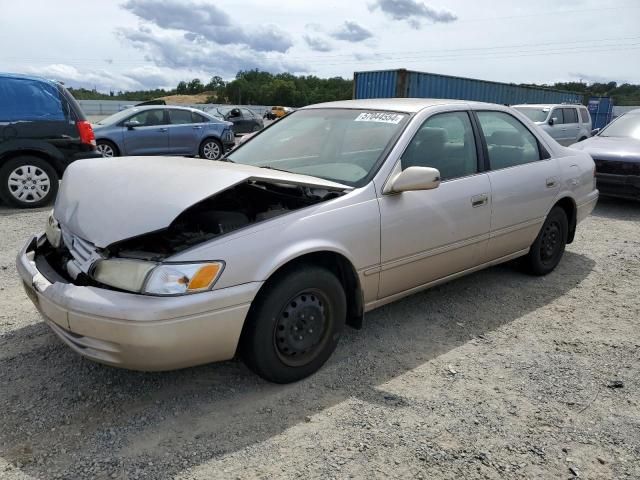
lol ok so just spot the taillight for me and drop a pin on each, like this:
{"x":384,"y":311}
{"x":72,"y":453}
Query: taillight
{"x":86,"y":133}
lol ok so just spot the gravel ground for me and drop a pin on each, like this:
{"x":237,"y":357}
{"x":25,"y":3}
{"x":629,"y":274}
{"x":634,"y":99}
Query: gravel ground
{"x":496,"y":375}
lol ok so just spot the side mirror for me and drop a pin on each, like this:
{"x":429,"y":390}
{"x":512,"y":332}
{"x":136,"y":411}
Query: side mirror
{"x":131,"y":124}
{"x":595,"y":131}
{"x":552,"y":121}
{"x":414,"y":178}
{"x":234,"y":113}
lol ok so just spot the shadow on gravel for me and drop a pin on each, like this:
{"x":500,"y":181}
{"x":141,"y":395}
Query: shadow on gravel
{"x":617,"y":209}
{"x":61,"y":413}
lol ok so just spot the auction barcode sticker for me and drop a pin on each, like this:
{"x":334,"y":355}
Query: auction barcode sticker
{"x":382,"y":117}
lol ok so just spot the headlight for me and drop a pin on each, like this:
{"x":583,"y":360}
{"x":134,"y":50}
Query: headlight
{"x":173,"y":279}
{"x":157,"y":279}
{"x":125,"y":274}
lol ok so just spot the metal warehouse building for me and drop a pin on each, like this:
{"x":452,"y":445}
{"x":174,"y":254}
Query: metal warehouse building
{"x":405,"y":83}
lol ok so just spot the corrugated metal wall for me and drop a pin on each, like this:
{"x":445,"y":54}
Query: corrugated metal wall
{"x":601,"y":110}
{"x":403,"y":83}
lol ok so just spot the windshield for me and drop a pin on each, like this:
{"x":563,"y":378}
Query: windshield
{"x":336,"y":144}
{"x":535,"y":114}
{"x":117,"y":117}
{"x":625,"y":126}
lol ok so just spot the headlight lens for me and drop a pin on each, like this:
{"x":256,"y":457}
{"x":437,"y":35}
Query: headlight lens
{"x":125,"y":274}
{"x":157,"y":279}
{"x":177,"y":279}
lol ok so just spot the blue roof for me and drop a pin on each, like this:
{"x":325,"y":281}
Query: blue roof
{"x":27,"y":77}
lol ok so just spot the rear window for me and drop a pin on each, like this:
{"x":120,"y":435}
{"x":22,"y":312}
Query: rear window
{"x":28,"y":100}
{"x":584,"y":114}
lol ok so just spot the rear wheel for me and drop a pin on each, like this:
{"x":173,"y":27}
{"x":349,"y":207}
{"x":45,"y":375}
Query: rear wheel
{"x":211,"y":149}
{"x":256,"y":128}
{"x":28,"y":182}
{"x":107,"y":149}
{"x":294,"y":325}
{"x":548,"y":248}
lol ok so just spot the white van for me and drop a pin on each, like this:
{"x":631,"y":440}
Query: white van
{"x":567,"y":124}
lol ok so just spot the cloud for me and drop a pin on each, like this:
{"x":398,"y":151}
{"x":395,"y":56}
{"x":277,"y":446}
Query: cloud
{"x":351,"y":32}
{"x":171,"y":49}
{"x":104,"y":80}
{"x":208,"y":22}
{"x":413,"y":11}
{"x":318,"y":44}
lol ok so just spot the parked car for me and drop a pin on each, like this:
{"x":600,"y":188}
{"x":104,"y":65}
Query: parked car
{"x":271,"y":252}
{"x":279,"y":112}
{"x":163,"y":130}
{"x":567,"y":124}
{"x":616,"y":152}
{"x":243,"y":119}
{"x":269,"y":115}
{"x":42,"y":130}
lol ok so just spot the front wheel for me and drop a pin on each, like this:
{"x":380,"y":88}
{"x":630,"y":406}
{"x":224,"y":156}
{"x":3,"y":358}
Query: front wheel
{"x":548,"y":247}
{"x":107,"y":149}
{"x":28,"y":182}
{"x":294,"y":325}
{"x":211,"y":149}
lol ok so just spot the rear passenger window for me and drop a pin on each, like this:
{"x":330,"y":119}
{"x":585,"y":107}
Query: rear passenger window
{"x":558,"y":115}
{"x":584,"y":114}
{"x":570,"y":115}
{"x":179,"y":117}
{"x":30,"y":100}
{"x":509,"y":142}
{"x":197,"y":118}
{"x":445,"y":141}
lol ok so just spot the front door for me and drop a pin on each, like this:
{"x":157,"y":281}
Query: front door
{"x":427,"y":235}
{"x":150,"y":136}
{"x":524,"y":183}
{"x":558,"y":130}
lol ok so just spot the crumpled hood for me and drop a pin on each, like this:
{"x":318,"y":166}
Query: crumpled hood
{"x":611,"y":148}
{"x":107,"y":200}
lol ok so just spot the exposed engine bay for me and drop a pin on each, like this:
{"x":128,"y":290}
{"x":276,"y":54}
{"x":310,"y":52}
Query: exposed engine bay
{"x":240,"y":206}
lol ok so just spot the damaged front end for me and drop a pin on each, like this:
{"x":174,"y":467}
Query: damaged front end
{"x":136,"y":264}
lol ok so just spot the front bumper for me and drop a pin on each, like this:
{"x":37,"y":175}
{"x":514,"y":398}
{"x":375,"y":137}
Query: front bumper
{"x":138,"y":332}
{"x":622,"y":186}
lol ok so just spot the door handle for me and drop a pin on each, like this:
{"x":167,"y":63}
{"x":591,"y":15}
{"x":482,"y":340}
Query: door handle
{"x":163,"y":129}
{"x":197,"y":128}
{"x":479,"y":200}
{"x":551,"y":182}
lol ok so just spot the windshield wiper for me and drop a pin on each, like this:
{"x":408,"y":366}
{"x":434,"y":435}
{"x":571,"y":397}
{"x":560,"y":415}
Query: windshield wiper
{"x":269,"y":167}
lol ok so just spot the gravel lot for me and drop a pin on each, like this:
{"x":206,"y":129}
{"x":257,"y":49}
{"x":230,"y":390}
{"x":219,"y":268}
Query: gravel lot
{"x":497,"y":375}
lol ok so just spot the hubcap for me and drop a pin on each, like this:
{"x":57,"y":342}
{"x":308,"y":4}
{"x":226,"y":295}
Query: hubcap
{"x":106,"y":150}
{"x":551,"y":242}
{"x":29,"y":184}
{"x":301,"y":328}
{"x":211,"y":150}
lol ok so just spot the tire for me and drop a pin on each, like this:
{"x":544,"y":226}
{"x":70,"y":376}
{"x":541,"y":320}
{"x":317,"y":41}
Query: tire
{"x":278,"y":342}
{"x":256,"y":128}
{"x":108,"y":149}
{"x":211,"y":149}
{"x":548,"y":247}
{"x":582,"y":139}
{"x":28,"y":182}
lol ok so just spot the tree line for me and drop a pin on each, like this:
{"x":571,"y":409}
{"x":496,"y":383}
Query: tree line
{"x":254,"y":87}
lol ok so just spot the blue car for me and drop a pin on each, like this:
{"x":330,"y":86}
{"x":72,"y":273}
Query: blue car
{"x":163,"y":130}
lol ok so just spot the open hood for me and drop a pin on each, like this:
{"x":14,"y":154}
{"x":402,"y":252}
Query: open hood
{"x":108,"y":200}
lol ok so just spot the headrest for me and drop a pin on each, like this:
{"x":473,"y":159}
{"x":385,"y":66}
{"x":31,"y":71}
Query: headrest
{"x":506,"y":138}
{"x":432,"y":136}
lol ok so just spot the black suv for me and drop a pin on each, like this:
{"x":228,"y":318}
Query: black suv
{"x":42,"y":130}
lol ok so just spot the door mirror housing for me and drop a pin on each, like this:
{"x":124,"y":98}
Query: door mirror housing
{"x":234,"y":113}
{"x":414,"y":178}
{"x":552,"y":120}
{"x":595,"y":131}
{"x":131,"y":124}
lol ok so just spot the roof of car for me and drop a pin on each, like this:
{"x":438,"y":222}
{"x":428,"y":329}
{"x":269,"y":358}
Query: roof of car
{"x":407,"y":105}
{"x":547,"y":105}
{"x":28,"y":77}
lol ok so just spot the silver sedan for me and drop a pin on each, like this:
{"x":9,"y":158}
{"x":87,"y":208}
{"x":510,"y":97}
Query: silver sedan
{"x":339,"y":208}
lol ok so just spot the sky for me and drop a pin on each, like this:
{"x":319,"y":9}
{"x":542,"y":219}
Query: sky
{"x":140,"y":44}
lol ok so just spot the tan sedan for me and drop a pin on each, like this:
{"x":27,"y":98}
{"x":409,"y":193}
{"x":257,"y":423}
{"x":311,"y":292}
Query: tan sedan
{"x":339,"y":208}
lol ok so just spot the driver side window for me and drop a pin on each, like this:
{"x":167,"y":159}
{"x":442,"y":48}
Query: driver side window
{"x":149,"y":118}
{"x":446,"y":142}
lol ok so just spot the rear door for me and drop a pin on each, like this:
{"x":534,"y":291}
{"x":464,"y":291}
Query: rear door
{"x":524,"y":182}
{"x":571,"y":124}
{"x":183,"y":133}
{"x":150,"y":137}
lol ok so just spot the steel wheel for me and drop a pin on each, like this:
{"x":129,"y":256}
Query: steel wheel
{"x":302,"y":327}
{"x":106,"y":150}
{"x":550,"y":242}
{"x":29,"y":184}
{"x":211,"y":150}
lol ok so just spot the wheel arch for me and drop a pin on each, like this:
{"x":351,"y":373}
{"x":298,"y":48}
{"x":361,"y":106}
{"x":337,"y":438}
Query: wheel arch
{"x":45,"y":155}
{"x":568,"y":204}
{"x":112,"y":142}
